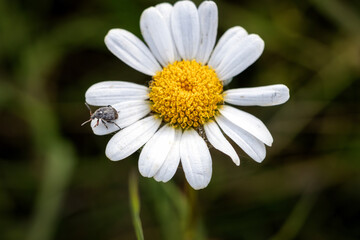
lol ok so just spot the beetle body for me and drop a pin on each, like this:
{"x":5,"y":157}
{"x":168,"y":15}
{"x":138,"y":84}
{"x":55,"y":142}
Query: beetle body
{"x":104,"y":114}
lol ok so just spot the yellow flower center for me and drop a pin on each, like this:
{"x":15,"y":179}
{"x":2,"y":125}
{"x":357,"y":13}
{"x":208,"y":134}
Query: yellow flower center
{"x":186,"y":93}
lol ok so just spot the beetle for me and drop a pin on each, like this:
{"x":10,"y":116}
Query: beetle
{"x":104,"y":114}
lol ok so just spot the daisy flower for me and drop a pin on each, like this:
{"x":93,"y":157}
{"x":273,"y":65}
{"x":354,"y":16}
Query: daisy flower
{"x":184,"y":110}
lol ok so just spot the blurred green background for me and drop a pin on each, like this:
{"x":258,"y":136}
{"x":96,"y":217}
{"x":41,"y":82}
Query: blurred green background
{"x":56,"y":183}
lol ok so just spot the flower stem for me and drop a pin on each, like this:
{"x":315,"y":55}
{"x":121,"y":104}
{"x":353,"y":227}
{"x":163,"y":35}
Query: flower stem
{"x":193,"y":215}
{"x":135,"y":205}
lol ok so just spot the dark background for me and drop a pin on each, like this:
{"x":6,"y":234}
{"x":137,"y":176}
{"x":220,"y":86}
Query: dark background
{"x":56,"y":183}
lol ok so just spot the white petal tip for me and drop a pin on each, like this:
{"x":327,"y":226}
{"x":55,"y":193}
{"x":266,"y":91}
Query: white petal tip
{"x":144,"y":173}
{"x":109,"y":154}
{"x":260,"y":159}
{"x":199,"y":187}
{"x":257,"y":41}
{"x":111,"y":33}
{"x":208,"y":4}
{"x":270,"y":142}
{"x":284,"y":94}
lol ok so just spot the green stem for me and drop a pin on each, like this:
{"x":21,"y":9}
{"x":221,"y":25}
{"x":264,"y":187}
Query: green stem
{"x":193,"y":215}
{"x":135,"y":205}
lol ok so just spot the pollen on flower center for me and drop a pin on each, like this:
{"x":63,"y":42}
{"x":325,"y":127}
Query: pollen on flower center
{"x":186,"y":93}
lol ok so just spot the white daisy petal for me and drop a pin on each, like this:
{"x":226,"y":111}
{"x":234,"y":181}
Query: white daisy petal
{"x":111,"y":92}
{"x":186,"y":29}
{"x":166,"y":9}
{"x":247,"y":122}
{"x":227,"y":40}
{"x":157,"y":35}
{"x":258,"y":96}
{"x":156,"y":150}
{"x":240,"y":56}
{"x":195,"y":159}
{"x":251,"y":145}
{"x":127,"y":141}
{"x":171,"y":163}
{"x":217,"y":139}
{"x":208,"y":16}
{"x":132,"y":51}
{"x":131,"y":111}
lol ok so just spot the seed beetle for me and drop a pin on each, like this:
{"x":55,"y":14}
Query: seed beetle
{"x":104,"y":114}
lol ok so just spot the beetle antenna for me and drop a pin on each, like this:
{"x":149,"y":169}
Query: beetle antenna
{"x":86,"y":122}
{"x":87,"y":105}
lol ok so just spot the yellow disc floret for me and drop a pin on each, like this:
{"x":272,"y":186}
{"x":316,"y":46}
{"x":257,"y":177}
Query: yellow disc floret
{"x":186,"y":93}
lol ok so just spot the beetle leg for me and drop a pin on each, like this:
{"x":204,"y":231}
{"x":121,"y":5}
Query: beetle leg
{"x":102,"y":120}
{"x":97,"y":123}
{"x":116,"y":125}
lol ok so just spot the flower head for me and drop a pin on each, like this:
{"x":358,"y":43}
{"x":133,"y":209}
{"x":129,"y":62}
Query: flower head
{"x":184,"y":105}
